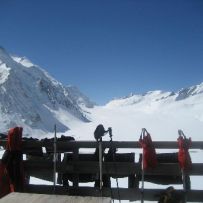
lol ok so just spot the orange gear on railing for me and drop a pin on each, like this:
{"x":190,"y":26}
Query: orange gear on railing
{"x":149,"y":153}
{"x":183,"y":154}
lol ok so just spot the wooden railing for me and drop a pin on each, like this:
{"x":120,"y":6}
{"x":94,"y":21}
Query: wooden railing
{"x":77,"y":167}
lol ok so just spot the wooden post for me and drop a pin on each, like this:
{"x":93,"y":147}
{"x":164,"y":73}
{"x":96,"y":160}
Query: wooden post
{"x":184,"y":185}
{"x":76,"y":176}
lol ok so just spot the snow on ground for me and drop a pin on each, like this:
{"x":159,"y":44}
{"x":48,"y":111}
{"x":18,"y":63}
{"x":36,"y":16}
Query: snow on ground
{"x":161,"y":118}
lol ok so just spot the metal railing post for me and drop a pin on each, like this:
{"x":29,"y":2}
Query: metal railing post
{"x":100,"y":164}
{"x":54,"y":160}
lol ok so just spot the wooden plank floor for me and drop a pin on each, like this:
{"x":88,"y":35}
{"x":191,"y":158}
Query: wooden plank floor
{"x":121,"y":193}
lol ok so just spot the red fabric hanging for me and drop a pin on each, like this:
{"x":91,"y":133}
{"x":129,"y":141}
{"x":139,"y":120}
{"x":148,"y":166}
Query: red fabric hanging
{"x":149,"y":153}
{"x":14,"y":142}
{"x":13,"y":160}
{"x":4,"y":181}
{"x":183,"y":153}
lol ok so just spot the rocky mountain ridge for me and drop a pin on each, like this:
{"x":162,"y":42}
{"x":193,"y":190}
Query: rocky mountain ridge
{"x":30,"y":97}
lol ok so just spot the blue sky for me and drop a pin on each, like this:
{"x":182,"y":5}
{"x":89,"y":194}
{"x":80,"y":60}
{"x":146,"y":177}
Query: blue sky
{"x":109,"y":48}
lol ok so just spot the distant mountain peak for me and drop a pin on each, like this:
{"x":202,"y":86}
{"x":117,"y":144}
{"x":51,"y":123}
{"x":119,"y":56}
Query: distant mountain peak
{"x":23,"y":61}
{"x":157,"y":95}
{"x":190,"y":91}
{"x":30,"y":97}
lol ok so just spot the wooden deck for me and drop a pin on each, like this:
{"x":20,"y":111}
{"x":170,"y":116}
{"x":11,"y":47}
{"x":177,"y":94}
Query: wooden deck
{"x":132,"y":194}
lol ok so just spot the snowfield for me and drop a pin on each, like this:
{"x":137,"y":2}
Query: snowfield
{"x":162,"y":115}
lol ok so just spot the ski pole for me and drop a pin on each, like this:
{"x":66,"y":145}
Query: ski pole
{"x":142,"y":186}
{"x":54,"y":159}
{"x":100,"y":163}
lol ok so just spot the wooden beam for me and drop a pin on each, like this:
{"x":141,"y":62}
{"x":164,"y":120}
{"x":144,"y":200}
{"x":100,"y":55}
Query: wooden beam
{"x":115,"y":168}
{"x":122,"y":193}
{"x":174,"y":169}
{"x":112,"y":168}
{"x":62,"y":146}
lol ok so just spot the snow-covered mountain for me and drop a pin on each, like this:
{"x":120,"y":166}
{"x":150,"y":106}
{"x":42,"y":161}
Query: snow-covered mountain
{"x":158,"y":96}
{"x":31,"y":98}
{"x":81,"y":99}
{"x":162,"y":113}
